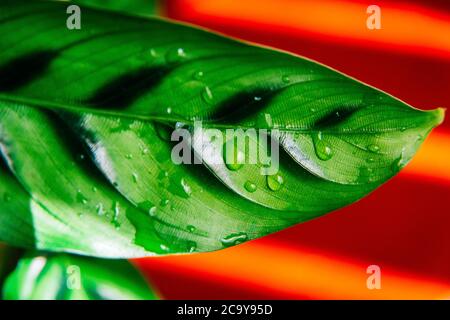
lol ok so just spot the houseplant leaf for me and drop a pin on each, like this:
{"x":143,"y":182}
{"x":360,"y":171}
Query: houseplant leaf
{"x":86,"y":118}
{"x":68,"y":277}
{"x":140,"y":7}
{"x":8,"y":259}
{"x":16,"y":220}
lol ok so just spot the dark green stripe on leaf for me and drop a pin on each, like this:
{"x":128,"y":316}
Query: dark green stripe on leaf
{"x":121,"y":92}
{"x":242,"y":106}
{"x":25,"y":69}
{"x":121,"y":77}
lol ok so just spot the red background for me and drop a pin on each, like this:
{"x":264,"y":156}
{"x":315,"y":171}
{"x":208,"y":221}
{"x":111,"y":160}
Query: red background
{"x":403,"y":227}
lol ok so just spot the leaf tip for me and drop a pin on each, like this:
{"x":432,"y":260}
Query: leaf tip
{"x":439,"y":115}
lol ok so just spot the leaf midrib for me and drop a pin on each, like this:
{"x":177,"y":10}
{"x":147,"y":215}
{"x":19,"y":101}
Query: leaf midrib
{"x":35,"y":103}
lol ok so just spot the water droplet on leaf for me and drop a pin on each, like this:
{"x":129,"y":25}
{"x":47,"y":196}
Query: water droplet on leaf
{"x":175,"y":55}
{"x":400,"y":162}
{"x":116,"y":213}
{"x":275,"y":182}
{"x":179,"y":125}
{"x":365,"y":175}
{"x":81,"y":198}
{"x":153,"y":53}
{"x":198,"y":75}
{"x":186,"y":188}
{"x":163,"y":175}
{"x":250,"y":186}
{"x":144,"y":151}
{"x":164,"y":202}
{"x":191,"y":246}
{"x":233,"y":157}
{"x":234,"y":239}
{"x":207,"y":95}
{"x":373,"y":148}
{"x":99,"y":209}
{"x":148,"y":207}
{"x":152,"y":212}
{"x":164,"y":248}
{"x":179,"y":186}
{"x":322,"y":148}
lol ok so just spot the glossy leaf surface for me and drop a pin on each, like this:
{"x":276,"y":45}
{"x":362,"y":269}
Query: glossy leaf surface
{"x":139,"y":7}
{"x":69,"y":277}
{"x":86,"y":118}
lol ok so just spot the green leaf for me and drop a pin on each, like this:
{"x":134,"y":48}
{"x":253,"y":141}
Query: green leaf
{"x":16,"y":220}
{"x":67,"y":277}
{"x":139,"y":7}
{"x":8,"y":260}
{"x":86,"y":118}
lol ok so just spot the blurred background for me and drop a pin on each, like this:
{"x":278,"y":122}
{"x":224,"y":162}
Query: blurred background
{"x":403,"y":227}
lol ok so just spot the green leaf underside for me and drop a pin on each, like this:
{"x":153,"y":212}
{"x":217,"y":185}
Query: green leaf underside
{"x":69,"y":277}
{"x":83,"y":116}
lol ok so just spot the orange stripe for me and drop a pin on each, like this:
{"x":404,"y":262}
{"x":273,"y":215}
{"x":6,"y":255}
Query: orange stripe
{"x":410,"y":26}
{"x":432,"y":159}
{"x":298,"y":273}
